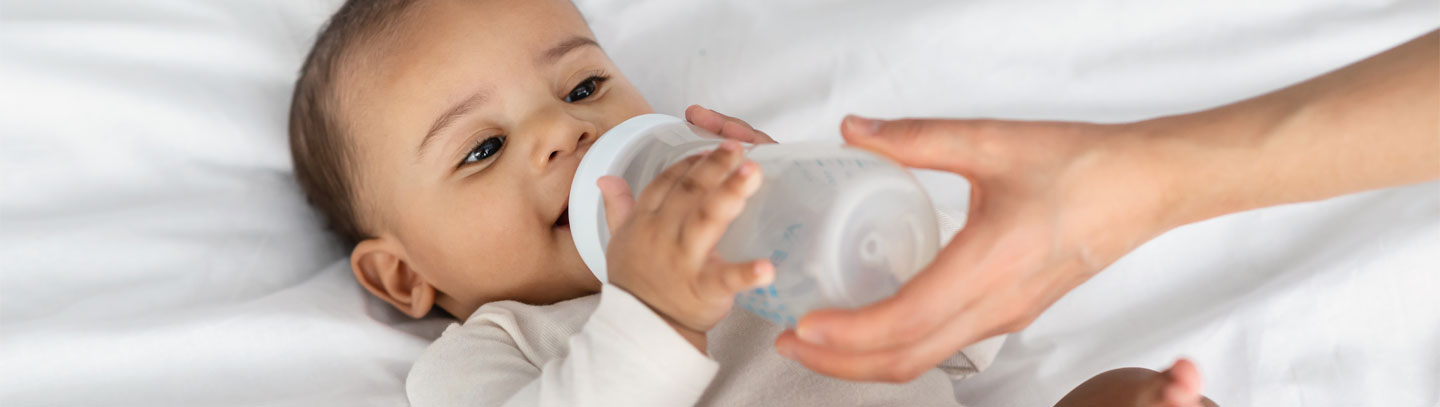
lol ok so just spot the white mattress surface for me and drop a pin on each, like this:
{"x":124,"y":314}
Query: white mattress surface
{"x":155,"y":251}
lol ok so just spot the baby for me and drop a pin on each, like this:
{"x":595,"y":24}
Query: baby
{"x":439,"y":139}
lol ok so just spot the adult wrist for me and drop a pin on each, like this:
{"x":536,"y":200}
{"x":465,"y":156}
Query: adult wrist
{"x":1152,"y":185}
{"x":1214,"y":162}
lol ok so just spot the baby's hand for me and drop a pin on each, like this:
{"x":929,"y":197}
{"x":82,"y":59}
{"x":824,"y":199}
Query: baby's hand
{"x":663,"y":249}
{"x":726,"y":126}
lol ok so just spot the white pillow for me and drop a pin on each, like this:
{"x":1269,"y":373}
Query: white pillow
{"x":154,"y":248}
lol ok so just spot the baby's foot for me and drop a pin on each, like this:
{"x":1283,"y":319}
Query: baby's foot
{"x":1178,"y":386}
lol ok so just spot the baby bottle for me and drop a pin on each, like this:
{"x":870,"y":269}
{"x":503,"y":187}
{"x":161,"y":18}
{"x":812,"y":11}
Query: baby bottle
{"x":843,"y":227}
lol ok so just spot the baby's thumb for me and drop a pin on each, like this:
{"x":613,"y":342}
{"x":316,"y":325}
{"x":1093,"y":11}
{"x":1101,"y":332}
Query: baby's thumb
{"x":618,"y":200}
{"x":939,"y":144}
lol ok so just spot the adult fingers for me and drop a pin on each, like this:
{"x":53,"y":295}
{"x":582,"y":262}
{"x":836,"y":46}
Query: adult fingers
{"x":618,"y":198}
{"x":936,"y":294}
{"x":960,"y":146}
{"x":898,"y":365}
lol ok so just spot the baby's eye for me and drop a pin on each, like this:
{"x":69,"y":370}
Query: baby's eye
{"x":585,"y":89}
{"x":484,"y":150}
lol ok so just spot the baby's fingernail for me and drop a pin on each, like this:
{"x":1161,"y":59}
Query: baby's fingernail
{"x":785,"y":351}
{"x":810,"y":334}
{"x":746,"y":168}
{"x":764,"y":274}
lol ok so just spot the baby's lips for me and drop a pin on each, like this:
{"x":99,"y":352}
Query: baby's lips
{"x":564,"y":219}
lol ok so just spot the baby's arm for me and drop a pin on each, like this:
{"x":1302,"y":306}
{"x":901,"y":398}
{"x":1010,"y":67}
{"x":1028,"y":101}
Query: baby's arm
{"x":623,"y":355}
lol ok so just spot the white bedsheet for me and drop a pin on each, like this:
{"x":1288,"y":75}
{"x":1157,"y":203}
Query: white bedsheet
{"x":154,"y":250}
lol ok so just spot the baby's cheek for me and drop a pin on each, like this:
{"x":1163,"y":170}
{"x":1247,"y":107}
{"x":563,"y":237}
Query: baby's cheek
{"x":519,"y":262}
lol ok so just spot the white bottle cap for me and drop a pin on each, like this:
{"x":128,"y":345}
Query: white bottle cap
{"x":611,"y":154}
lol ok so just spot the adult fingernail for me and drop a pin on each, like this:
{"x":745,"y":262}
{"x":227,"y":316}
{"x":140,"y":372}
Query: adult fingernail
{"x":864,"y":125}
{"x":730,"y":146}
{"x":810,"y":334}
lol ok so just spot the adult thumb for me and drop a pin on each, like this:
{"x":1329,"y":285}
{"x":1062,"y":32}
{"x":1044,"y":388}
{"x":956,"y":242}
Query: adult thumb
{"x":941,"y":144}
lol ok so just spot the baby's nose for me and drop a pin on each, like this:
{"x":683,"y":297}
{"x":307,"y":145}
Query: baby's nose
{"x":571,"y":138}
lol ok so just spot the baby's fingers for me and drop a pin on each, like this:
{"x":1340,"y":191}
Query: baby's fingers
{"x":654,"y":194}
{"x":690,"y":190}
{"x":721,"y":280}
{"x":707,"y":222}
{"x":619,"y":200}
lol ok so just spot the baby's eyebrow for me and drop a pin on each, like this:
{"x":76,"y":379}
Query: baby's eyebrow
{"x":564,"y":47}
{"x":446,"y":119}
{"x":479,"y":98}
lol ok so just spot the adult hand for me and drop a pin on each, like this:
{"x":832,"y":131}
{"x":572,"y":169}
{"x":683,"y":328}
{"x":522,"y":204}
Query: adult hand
{"x":1051,"y":204}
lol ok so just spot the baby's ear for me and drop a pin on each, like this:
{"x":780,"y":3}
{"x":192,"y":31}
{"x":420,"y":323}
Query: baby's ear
{"x":380,"y":264}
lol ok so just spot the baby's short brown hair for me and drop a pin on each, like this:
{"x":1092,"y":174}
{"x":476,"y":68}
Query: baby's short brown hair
{"x":322,"y":158}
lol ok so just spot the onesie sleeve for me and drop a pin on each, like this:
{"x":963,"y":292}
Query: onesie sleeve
{"x":625,"y":354}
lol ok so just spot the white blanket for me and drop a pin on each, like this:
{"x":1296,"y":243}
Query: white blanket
{"x":155,"y":251}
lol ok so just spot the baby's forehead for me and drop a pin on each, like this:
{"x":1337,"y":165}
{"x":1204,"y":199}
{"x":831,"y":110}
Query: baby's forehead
{"x":441,"y":42}
{"x":485,"y":25}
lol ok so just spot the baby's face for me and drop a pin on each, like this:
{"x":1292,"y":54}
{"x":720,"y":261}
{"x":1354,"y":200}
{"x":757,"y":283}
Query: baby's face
{"x":467,"y":131}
